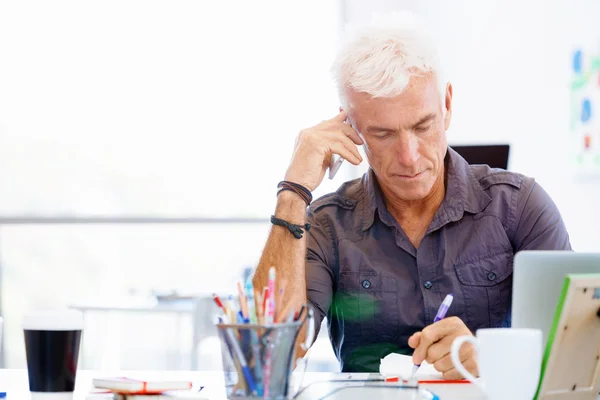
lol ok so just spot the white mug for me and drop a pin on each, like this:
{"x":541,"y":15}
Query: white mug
{"x":509,"y":362}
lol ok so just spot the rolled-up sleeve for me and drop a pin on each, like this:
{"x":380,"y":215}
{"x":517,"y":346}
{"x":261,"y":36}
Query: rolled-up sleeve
{"x":539,"y":225}
{"x":319,"y":273}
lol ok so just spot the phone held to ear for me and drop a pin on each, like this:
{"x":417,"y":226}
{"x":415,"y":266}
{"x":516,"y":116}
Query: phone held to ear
{"x":335,"y":165}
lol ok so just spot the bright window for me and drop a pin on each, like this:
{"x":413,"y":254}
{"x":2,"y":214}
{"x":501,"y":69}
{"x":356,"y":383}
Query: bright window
{"x":148,"y":109}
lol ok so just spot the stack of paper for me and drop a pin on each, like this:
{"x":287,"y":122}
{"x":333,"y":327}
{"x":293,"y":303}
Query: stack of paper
{"x":400,"y":365}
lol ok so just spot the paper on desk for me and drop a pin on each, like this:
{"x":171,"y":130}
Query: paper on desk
{"x":400,"y":365}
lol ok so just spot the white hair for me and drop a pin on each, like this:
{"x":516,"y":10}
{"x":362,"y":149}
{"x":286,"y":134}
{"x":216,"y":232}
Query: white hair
{"x":380,"y":57}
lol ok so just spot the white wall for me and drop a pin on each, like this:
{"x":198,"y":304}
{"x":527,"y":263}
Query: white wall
{"x":510,"y":64}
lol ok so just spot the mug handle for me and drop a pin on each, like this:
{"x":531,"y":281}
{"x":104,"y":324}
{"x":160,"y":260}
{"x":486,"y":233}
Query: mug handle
{"x":454,"y":354}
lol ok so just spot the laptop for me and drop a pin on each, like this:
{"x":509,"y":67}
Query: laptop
{"x":538,"y":277}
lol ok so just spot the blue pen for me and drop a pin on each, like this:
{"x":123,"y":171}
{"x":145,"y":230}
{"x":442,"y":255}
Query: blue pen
{"x":240,"y":356}
{"x":254,"y":336}
{"x":426,"y":394}
{"x":250,"y":296}
{"x":245,"y":335}
{"x":240,"y":317}
{"x":441,"y":314}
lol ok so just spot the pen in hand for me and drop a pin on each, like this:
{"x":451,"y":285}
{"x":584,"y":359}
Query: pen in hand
{"x":441,"y":314}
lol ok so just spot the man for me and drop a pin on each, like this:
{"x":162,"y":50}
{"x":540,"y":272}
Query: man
{"x":383,"y":251}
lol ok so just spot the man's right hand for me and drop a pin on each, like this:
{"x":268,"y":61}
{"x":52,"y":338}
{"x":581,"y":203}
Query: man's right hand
{"x":316,"y":145}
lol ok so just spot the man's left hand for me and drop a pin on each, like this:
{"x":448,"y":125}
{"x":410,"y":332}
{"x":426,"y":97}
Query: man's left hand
{"x":433,"y":345}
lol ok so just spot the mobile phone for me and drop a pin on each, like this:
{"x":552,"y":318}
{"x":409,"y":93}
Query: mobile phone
{"x":335,"y":165}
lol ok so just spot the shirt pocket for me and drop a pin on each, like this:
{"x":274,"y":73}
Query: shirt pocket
{"x":486,"y":284}
{"x":368,"y":303}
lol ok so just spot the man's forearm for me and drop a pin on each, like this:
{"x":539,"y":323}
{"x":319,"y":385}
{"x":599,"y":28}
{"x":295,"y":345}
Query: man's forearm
{"x":286,"y":253}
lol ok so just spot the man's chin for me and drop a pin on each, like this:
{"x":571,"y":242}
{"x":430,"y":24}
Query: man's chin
{"x":411,"y":194}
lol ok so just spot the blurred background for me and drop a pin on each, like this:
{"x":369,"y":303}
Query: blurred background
{"x":141,"y":142}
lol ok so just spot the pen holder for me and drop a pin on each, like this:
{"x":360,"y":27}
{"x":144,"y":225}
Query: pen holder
{"x":258,"y":360}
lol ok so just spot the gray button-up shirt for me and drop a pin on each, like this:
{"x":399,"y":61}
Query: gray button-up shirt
{"x":377,"y":289}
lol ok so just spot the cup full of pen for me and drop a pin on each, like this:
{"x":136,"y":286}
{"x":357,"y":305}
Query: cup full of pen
{"x":257,"y":344}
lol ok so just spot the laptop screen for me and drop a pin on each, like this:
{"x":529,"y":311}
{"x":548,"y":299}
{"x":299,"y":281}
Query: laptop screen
{"x":496,"y":156}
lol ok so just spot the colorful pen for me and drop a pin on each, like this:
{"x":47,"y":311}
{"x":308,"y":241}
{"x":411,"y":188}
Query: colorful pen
{"x":250,"y":300}
{"x":233,"y":343}
{"x":426,"y":394}
{"x":441,"y":314}
{"x":240,"y":356}
{"x":270,"y":312}
{"x":240,"y":317}
{"x":254,"y":318}
{"x":269,"y":319}
{"x":265,"y":303}
{"x":220,"y":303}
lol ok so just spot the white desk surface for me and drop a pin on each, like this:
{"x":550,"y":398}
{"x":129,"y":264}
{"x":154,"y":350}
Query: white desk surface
{"x":15,"y":383}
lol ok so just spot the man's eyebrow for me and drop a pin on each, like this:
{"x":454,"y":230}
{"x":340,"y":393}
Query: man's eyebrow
{"x":425,"y":119}
{"x":375,"y":128}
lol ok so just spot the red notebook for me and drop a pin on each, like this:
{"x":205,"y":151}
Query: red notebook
{"x":136,"y":386}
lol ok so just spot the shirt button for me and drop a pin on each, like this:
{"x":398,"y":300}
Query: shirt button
{"x":428,"y":285}
{"x":366,"y":284}
{"x":491,"y":276}
{"x":348,"y":202}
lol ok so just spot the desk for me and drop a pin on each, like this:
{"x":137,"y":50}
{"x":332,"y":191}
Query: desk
{"x":15,"y":383}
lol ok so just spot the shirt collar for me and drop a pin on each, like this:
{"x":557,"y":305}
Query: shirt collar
{"x":463,"y":194}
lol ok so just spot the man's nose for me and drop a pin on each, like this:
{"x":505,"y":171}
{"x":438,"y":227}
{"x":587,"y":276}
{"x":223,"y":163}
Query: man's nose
{"x":408,"y":150}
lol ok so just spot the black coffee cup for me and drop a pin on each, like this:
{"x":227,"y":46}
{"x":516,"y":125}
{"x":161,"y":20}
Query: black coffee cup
{"x":52,"y":342}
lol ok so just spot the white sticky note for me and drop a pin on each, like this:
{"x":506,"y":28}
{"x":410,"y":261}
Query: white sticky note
{"x":400,"y":365}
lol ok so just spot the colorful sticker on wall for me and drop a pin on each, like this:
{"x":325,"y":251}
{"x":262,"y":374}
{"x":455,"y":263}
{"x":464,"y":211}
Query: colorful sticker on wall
{"x":585,"y":109}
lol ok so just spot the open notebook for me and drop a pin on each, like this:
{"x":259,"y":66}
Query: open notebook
{"x":401,"y":366}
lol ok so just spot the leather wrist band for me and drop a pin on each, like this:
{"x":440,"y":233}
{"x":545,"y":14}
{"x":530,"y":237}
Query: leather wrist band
{"x":296,"y":188}
{"x":295,"y":229}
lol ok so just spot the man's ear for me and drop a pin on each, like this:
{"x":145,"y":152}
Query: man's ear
{"x":448,"y":106}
